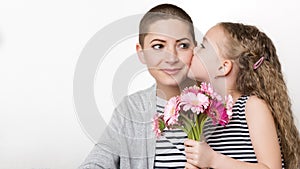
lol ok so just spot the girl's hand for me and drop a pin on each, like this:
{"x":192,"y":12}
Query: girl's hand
{"x":199,"y":154}
{"x":190,"y":166}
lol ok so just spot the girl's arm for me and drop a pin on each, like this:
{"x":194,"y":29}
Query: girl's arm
{"x":263,"y":136}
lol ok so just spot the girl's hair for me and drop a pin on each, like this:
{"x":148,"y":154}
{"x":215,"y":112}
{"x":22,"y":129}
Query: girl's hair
{"x":163,"y":12}
{"x":247,"y":45}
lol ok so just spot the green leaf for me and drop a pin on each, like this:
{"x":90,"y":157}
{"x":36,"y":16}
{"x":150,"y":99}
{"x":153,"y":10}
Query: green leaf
{"x":161,"y":124}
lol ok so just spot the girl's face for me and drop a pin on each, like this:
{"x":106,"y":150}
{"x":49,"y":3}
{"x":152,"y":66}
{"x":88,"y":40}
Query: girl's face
{"x":167,"y":51}
{"x":206,"y":62}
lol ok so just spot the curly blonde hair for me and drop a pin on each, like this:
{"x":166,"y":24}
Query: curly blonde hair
{"x":246,"y":45}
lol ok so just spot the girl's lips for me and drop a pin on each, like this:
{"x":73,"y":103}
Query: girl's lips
{"x":171,"y":71}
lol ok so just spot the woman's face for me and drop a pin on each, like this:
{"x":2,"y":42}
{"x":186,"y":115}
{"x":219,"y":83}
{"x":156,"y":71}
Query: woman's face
{"x":167,"y":51}
{"x":206,"y":61}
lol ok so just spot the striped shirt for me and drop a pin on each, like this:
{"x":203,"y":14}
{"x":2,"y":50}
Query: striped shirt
{"x":169,"y":151}
{"x":232,"y":140}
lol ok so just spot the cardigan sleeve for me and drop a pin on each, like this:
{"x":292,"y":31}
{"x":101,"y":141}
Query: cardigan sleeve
{"x":128,"y":141}
{"x":106,"y":153}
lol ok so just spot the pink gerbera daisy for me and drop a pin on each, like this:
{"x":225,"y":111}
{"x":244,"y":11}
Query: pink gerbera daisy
{"x":158,"y":125}
{"x":207,"y":88}
{"x":196,"y":102}
{"x":218,"y":113}
{"x":192,"y":89}
{"x":171,"y":111}
{"x":229,"y":104}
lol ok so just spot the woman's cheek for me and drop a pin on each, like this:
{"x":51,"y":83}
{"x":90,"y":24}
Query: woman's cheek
{"x":187,"y":58}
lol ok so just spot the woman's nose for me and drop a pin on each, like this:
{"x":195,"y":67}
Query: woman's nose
{"x":171,"y":55}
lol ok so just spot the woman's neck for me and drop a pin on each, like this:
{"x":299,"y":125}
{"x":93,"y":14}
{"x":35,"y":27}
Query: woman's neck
{"x":166,"y":92}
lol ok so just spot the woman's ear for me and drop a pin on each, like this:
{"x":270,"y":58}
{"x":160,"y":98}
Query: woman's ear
{"x":140,"y":53}
{"x":224,"y":69}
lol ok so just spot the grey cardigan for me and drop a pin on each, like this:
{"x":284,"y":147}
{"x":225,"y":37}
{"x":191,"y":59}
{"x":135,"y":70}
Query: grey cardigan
{"x":128,"y":141}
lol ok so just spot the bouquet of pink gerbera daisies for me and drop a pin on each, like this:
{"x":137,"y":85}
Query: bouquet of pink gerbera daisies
{"x":192,"y":108}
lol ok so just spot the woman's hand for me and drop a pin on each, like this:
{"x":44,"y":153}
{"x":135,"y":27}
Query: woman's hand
{"x":199,"y":154}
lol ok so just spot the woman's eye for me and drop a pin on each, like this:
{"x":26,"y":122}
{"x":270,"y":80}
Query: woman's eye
{"x":184,"y":45}
{"x":202,"y":46}
{"x":157,"y":46}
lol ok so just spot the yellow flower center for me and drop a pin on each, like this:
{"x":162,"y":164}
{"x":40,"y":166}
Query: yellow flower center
{"x":172,"y":111}
{"x":195,"y":102}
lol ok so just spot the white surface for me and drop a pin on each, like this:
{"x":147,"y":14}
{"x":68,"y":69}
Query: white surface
{"x":40,"y":42}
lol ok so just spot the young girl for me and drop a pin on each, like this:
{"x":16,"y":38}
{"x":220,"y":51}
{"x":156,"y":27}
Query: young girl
{"x":165,"y":45}
{"x":261,"y":133}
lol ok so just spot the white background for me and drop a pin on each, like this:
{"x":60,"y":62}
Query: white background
{"x":40,"y":42}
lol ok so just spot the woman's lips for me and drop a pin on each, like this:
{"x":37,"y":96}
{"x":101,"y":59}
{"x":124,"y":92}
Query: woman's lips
{"x":171,"y":71}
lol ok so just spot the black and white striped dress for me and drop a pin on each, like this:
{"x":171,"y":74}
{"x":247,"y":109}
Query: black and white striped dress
{"x":169,"y":151}
{"x":234,"y":139}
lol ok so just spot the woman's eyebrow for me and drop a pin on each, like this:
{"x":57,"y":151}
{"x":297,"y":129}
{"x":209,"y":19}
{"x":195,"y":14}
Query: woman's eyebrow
{"x":163,"y":41}
{"x":160,"y":40}
{"x":182,"y":39}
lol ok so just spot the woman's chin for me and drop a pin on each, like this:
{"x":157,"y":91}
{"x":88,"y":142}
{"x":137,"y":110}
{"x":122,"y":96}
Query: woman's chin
{"x":175,"y":83}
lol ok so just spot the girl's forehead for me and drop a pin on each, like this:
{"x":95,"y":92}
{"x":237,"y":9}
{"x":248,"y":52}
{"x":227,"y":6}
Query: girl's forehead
{"x":214,"y":40}
{"x":215,"y":35}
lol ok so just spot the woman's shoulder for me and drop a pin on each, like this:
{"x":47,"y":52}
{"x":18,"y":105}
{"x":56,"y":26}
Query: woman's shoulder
{"x":139,"y":100}
{"x":142,"y":94}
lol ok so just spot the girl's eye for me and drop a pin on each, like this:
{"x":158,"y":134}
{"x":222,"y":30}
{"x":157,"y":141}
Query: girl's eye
{"x":184,"y":45}
{"x":202,"y":46}
{"x":157,"y":46}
